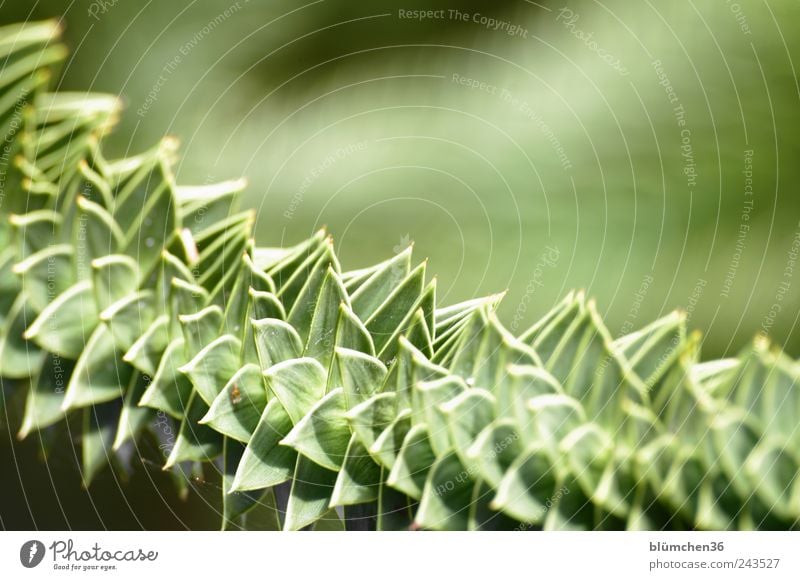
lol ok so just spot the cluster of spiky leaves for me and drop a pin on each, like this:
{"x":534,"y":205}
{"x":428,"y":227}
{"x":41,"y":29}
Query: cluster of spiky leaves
{"x":321,"y":392}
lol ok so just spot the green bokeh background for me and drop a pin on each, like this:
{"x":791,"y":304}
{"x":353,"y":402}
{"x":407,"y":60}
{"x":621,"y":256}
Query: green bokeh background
{"x":509,"y":152}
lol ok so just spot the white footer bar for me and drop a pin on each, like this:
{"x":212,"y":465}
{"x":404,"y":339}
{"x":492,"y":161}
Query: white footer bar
{"x":404,"y":555}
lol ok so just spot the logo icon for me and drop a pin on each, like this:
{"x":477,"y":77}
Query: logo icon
{"x":31,"y":553}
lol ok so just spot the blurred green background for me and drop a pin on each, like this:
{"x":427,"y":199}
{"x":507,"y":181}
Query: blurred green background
{"x":647,"y":152}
